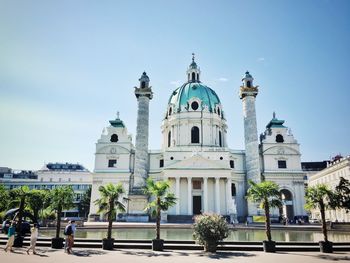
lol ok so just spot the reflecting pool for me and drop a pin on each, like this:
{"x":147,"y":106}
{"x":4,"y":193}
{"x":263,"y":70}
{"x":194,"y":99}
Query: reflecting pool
{"x":186,"y":234}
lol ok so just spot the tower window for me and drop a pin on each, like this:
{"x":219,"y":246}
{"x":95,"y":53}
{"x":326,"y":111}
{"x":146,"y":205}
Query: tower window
{"x":169,"y":139}
{"x":197,"y":76}
{"x":143,"y":85}
{"x":219,"y":111}
{"x":112,"y":163}
{"x":279,"y":138}
{"x":220,"y":139}
{"x":233,"y":190}
{"x":195,"y":134}
{"x":193,"y":76}
{"x":161,"y":163}
{"x":194,"y":105}
{"x":248,"y":84}
{"x":114,"y":138}
{"x":282,"y":164}
{"x":170,"y":111}
{"x":232,"y":164}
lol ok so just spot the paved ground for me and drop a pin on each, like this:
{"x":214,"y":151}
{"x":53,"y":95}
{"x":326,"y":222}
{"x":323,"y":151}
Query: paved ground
{"x":48,"y":255}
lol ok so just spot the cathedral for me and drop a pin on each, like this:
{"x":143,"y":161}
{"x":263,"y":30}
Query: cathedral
{"x":205,"y":175}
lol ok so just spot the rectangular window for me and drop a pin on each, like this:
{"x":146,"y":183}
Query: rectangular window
{"x":161,"y":163}
{"x":197,"y":185}
{"x":232,"y":164}
{"x":282,"y":164}
{"x":112,"y":163}
{"x":233,"y":190}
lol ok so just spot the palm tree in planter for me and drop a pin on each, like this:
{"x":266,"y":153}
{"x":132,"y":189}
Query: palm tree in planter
{"x":162,"y":201}
{"x":322,"y":198}
{"x":59,"y":199}
{"x":19,"y":196}
{"x":268,"y":196}
{"x":109,"y":204}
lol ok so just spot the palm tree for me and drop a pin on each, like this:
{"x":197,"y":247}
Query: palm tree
{"x":162,"y":201}
{"x":322,"y":198}
{"x":36,"y":201}
{"x":19,"y":196}
{"x":109,"y":204}
{"x":268,"y":196}
{"x":60,"y":198}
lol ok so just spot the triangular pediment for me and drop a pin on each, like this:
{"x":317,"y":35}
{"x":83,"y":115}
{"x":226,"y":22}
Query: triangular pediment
{"x":197,"y":162}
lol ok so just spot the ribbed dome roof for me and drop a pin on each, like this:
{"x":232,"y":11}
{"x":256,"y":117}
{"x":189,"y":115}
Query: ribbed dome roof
{"x":193,"y":90}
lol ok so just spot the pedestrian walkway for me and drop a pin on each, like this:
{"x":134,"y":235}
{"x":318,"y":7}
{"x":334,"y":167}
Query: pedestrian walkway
{"x":47,"y":255}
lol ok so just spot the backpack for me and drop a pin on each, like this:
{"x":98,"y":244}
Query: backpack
{"x":68,"y":230}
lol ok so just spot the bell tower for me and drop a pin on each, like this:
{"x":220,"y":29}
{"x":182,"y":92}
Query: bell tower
{"x":193,"y":71}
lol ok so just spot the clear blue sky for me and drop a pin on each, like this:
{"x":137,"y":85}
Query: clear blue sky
{"x":67,"y":67}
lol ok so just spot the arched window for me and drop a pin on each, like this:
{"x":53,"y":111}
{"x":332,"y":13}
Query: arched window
{"x":279,"y":138}
{"x":197,"y":76}
{"x":143,"y":85}
{"x":248,"y":84}
{"x":195,"y":134}
{"x":233,"y":190}
{"x":193,"y":76}
{"x":169,"y":139}
{"x":219,"y":111}
{"x":220,"y":139}
{"x":114,"y":138}
{"x":170,"y":111}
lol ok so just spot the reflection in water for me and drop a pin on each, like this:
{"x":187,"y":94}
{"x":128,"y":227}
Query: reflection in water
{"x":186,"y":234}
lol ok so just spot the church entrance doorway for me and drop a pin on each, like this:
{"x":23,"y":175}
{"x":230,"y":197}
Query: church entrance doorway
{"x":197,"y":205}
{"x":287,"y":201}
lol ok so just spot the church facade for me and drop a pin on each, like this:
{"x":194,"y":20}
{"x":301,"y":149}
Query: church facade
{"x":204,"y":173}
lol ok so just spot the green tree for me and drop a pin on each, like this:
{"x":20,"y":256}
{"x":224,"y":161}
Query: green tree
{"x":84,"y":204}
{"x":162,"y":200}
{"x":60,"y":198}
{"x":343,"y":192}
{"x":109,"y":203}
{"x":322,"y":198}
{"x":268,"y":196}
{"x":4,"y":198}
{"x":36,"y":201}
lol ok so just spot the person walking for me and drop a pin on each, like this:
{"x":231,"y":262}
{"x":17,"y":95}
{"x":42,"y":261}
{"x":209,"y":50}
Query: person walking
{"x":71,"y":237}
{"x":67,"y":233}
{"x":11,"y":236}
{"x":33,"y":238}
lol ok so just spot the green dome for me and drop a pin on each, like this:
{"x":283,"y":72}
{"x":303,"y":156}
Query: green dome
{"x":193,"y":90}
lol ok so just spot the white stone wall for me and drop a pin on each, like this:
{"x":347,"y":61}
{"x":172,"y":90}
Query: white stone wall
{"x":141,"y":152}
{"x":180,"y":125}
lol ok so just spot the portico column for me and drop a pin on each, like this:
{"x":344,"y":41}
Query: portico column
{"x":217,"y":195}
{"x":177,"y":189}
{"x":189,"y":196}
{"x":205,"y":194}
{"x":228,"y":195}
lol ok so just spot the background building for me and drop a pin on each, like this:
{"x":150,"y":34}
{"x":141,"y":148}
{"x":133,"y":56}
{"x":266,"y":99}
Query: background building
{"x":339,"y":167}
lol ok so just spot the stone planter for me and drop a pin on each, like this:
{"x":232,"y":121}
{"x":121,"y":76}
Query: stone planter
{"x":326,"y":247}
{"x":269,"y":246}
{"x":107,"y":244}
{"x":157,"y":244}
{"x":210,"y":246}
{"x":18,"y":241}
{"x":57,"y":243}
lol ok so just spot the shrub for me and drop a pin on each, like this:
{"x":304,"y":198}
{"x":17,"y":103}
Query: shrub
{"x":209,"y":229}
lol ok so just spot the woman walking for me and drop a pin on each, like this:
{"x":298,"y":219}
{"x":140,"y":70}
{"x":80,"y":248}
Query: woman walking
{"x":33,"y":238}
{"x":11,"y":235}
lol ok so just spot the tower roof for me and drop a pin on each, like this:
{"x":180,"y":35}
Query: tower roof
{"x":118,"y":123}
{"x":275,"y":123}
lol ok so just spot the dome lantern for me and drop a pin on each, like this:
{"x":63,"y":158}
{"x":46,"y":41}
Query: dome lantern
{"x":193,"y":71}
